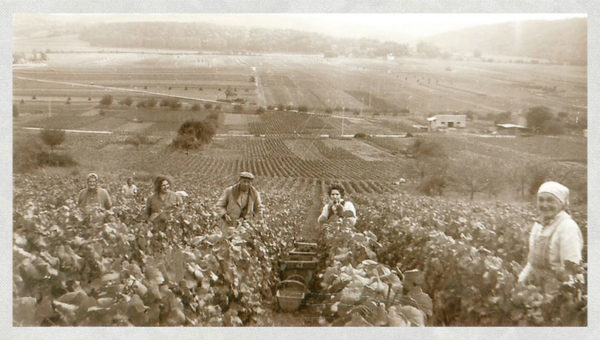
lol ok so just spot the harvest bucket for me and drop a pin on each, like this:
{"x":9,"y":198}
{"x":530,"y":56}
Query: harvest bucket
{"x":290,"y":295}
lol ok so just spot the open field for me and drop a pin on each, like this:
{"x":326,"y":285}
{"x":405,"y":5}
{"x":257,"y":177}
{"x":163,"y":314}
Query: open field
{"x":421,"y":86}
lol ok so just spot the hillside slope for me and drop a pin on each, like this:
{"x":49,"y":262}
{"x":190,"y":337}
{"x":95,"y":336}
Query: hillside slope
{"x":559,"y":40}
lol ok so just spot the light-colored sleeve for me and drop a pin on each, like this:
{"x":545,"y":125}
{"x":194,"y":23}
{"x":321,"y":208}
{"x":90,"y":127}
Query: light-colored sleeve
{"x":524,"y":275}
{"x":107,"y":200}
{"x":221,"y":206}
{"x":350,"y":212}
{"x":135,"y":189}
{"x":324,"y":214}
{"x":258,"y":206}
{"x":124,"y":189}
{"x":571,"y":243}
{"x":80,"y":198}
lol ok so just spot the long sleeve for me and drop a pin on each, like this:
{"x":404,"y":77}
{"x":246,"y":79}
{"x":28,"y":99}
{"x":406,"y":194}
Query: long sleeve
{"x":524,"y":275}
{"x":324,"y":214}
{"x":80,"y":198}
{"x":571,"y":243}
{"x":350,"y":212}
{"x":107,"y":202}
{"x":258,"y":206}
{"x":221,"y":206}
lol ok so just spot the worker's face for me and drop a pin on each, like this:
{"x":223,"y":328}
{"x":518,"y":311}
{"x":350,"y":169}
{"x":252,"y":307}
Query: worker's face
{"x":335,"y":195}
{"x":164,"y":186}
{"x":92,"y":183}
{"x":129,"y":181}
{"x":548,"y":205}
{"x":245,"y":184}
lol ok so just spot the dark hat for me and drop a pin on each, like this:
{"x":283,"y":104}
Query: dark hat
{"x":245,"y":174}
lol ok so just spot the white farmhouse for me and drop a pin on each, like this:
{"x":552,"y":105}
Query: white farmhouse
{"x":447,"y":121}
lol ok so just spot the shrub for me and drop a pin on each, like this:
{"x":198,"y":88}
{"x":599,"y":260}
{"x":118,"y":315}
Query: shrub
{"x":55,"y":159}
{"x":25,"y":154}
{"x":22,"y":101}
{"x":106,"y":100}
{"x":208,"y":106}
{"x":433,"y":185}
{"x":302,"y":108}
{"x":196,"y":107}
{"x":126,"y":101}
{"x":260,"y":110}
{"x":33,"y":97}
{"x":238,"y":108}
{"x":52,"y":138}
{"x":554,"y":127}
{"x":361,"y":135}
{"x":137,"y":140}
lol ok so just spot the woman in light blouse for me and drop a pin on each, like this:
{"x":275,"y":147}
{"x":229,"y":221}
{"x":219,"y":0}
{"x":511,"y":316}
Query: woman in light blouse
{"x":555,"y":238}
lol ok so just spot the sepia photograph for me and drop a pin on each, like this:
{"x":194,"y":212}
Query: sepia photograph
{"x":306,"y":170}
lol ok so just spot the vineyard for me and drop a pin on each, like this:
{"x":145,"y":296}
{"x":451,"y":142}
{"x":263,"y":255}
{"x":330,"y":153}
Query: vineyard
{"x":410,"y":261}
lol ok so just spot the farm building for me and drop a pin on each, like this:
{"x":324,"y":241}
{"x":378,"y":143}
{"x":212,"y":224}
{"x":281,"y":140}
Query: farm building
{"x":447,"y":121}
{"x":511,"y":129}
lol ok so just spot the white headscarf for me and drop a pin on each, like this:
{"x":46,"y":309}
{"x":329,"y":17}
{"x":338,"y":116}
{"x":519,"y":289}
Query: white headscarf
{"x":91,"y":174}
{"x":557,"y":190}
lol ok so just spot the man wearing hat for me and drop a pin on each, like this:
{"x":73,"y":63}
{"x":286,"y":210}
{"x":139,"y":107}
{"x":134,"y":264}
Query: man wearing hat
{"x":240,"y":200}
{"x":92,"y":196}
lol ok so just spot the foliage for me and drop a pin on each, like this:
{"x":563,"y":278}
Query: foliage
{"x":172,"y":103}
{"x":54,"y":159}
{"x":470,"y":257}
{"x":52,"y":137}
{"x":363,"y":292}
{"x":537,"y":116}
{"x":554,"y":127}
{"x":126,"y":101}
{"x":89,"y":268}
{"x":137,"y":140}
{"x":193,"y":134}
{"x":106,"y":100}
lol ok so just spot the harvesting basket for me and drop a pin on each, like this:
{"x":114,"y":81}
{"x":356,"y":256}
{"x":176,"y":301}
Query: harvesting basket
{"x":290,"y":295}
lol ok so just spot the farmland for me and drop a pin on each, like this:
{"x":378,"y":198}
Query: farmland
{"x":172,"y":276}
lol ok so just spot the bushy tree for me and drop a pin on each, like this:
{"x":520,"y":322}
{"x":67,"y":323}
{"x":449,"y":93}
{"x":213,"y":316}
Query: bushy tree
{"x":106,"y":100}
{"x":126,"y":101}
{"x":52,"y":137}
{"x":537,"y":116}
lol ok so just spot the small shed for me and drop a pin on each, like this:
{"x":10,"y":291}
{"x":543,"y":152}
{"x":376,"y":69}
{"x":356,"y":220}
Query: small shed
{"x":447,"y":121}
{"x":511,"y":129}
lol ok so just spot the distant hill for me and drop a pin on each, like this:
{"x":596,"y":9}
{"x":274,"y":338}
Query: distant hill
{"x":212,"y":37}
{"x":557,"y":40}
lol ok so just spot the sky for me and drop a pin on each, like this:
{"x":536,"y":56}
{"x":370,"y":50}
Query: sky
{"x":382,"y":26}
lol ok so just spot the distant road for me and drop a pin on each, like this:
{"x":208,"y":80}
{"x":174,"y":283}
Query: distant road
{"x":117,"y":89}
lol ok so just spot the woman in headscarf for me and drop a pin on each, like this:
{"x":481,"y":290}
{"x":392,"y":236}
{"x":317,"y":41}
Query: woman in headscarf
{"x":162,"y":199}
{"x":555,"y":238}
{"x":92,"y":196}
